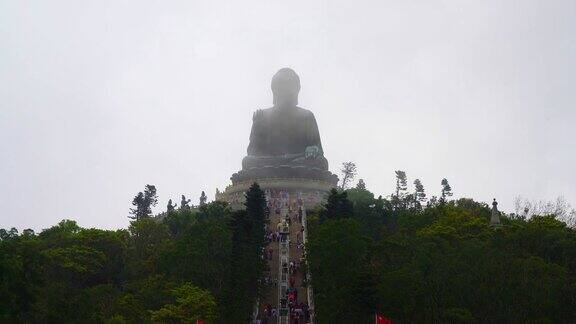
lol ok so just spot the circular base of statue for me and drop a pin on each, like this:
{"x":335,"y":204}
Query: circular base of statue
{"x":284,"y":172}
{"x":308,"y":192}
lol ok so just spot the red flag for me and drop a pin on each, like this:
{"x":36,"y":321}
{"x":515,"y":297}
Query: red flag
{"x":380,"y":319}
{"x":199,"y":321}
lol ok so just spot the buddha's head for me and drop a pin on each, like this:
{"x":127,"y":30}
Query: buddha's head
{"x":285,"y":87}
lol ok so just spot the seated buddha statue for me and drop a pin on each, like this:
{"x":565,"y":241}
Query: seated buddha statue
{"x":285,"y":135}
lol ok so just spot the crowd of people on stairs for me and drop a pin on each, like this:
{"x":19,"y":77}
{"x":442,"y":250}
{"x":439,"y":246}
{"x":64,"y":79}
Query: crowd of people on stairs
{"x":297,"y":305}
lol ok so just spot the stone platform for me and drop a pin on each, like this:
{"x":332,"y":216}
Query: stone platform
{"x":311,"y":192}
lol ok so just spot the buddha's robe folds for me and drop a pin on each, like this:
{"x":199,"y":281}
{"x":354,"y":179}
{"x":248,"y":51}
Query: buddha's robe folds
{"x":280,"y":136}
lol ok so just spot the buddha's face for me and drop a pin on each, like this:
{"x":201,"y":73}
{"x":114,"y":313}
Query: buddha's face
{"x":285,"y":87}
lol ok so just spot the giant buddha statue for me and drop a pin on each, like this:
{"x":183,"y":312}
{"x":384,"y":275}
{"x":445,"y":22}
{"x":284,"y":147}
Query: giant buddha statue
{"x":285,"y":141}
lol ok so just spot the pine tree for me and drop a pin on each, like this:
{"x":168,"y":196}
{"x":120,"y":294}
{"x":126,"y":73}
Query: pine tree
{"x":432,"y":202}
{"x":401,"y":183}
{"x":348,"y":173}
{"x":143,"y":202}
{"x":255,"y":211}
{"x":247,"y":265}
{"x":446,"y":190}
{"x":419,"y":194}
{"x":361,"y":185}
{"x":400,"y":200}
{"x":337,"y":206}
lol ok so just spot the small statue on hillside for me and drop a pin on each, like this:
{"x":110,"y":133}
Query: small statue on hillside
{"x":171,"y":206}
{"x":185,"y":203}
{"x":495,"y":218}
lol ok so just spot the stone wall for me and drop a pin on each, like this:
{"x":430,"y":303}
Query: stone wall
{"x":310,"y":193}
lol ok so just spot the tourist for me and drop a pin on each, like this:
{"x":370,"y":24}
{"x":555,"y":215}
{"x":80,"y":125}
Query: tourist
{"x":291,"y":296}
{"x":279,"y":226}
{"x":299,"y":313}
{"x":306,"y":311}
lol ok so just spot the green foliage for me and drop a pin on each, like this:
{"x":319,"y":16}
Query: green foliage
{"x":348,"y":173}
{"x":190,"y":263}
{"x":360,"y":197}
{"x":180,"y":221}
{"x":361,"y":185}
{"x":370,"y":212}
{"x":200,"y":255}
{"x":446,"y":190}
{"x":440,"y":264}
{"x":217,"y":210}
{"x":337,"y":254}
{"x":337,"y":206}
{"x":401,"y":183}
{"x":247,"y":265}
{"x":191,"y":303}
{"x":143,"y":203}
{"x":419,"y":194}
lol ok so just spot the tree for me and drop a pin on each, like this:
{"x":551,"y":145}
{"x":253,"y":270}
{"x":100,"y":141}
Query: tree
{"x":171,"y":207}
{"x":144,"y":201}
{"x":401,"y":183}
{"x":348,"y":173}
{"x":191,"y":304}
{"x":338,"y":266}
{"x":200,"y":252}
{"x":419,"y":193}
{"x":360,"y":197}
{"x":12,"y":233}
{"x":446,"y":190}
{"x":147,"y":235}
{"x":28,"y":232}
{"x":255,"y":205}
{"x":560,"y":208}
{"x":215,"y":210}
{"x":337,"y":206}
{"x":247,"y":264}
{"x":433,"y":201}
{"x":65,"y":228}
{"x":185,"y":203}
{"x":443,"y":264}
{"x":400,"y":200}
{"x":361,"y":185}
{"x":203,"y":199}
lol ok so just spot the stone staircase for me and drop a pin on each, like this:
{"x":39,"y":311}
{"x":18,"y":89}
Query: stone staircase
{"x":283,"y":253}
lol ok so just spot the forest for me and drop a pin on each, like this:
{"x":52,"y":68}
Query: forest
{"x":438,"y":262}
{"x":188,"y":263}
{"x":412,"y":259}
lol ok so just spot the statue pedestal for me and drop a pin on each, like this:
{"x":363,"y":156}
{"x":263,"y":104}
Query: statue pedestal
{"x":287,"y":190}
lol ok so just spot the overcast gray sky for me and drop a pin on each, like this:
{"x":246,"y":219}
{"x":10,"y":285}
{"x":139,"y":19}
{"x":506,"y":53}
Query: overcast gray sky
{"x":99,"y":98}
